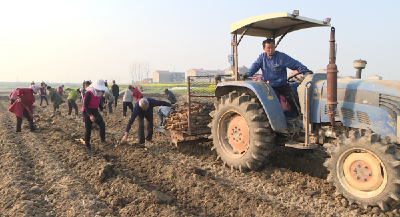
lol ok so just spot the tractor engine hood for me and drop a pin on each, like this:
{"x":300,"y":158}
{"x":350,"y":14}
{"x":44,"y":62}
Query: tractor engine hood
{"x":376,"y":93}
{"x":391,"y":88}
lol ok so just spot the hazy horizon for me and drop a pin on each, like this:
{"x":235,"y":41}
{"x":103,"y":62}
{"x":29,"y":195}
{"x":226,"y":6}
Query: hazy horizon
{"x":72,"y":41}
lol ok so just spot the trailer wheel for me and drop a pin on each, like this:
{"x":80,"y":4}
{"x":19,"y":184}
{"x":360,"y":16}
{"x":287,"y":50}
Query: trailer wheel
{"x":241,"y":132}
{"x":365,"y":169}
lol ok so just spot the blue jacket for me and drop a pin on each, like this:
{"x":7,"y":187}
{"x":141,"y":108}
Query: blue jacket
{"x":274,"y":68}
{"x":137,"y":111}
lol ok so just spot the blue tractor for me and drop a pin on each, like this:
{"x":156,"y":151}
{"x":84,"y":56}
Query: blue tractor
{"x":354,"y":120}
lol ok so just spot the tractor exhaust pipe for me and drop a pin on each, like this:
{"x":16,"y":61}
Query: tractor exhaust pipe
{"x":332,"y":79}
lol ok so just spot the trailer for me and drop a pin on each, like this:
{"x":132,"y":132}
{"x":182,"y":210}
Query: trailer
{"x":192,"y":118}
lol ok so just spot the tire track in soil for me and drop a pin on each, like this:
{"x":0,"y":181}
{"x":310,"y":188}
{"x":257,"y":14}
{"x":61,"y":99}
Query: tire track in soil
{"x":284,"y":192}
{"x":53,"y":184}
{"x":219,"y":196}
{"x":197,"y":195}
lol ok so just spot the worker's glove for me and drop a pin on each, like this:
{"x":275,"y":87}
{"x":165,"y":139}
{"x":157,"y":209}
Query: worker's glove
{"x":19,"y":99}
{"x":244,"y":77}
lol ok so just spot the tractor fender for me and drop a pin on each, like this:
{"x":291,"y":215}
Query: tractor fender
{"x":264,"y":93}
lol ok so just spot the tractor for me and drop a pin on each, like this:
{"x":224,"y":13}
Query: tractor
{"x":354,"y":120}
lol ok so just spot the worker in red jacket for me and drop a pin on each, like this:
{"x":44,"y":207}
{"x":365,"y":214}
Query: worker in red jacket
{"x":23,"y":106}
{"x":137,"y":94}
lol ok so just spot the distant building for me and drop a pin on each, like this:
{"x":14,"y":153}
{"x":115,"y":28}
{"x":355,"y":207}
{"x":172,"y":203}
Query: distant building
{"x":146,"y":80}
{"x":241,"y":70}
{"x":375,"y":77}
{"x":178,"y":77}
{"x":160,"y":76}
{"x":202,"y":72}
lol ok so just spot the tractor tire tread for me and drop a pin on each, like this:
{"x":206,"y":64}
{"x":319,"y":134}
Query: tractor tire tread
{"x":386,"y":152}
{"x":261,"y":134}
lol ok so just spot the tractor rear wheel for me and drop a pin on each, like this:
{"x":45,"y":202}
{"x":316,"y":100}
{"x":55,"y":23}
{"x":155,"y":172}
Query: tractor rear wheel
{"x":365,"y":168}
{"x":241,"y":132}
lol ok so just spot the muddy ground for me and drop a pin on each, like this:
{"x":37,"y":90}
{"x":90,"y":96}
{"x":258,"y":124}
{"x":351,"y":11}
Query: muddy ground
{"x":51,"y":174}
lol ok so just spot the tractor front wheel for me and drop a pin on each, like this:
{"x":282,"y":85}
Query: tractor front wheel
{"x":365,"y":168}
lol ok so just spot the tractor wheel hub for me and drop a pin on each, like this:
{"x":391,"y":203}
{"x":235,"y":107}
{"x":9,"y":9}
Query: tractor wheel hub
{"x":238,"y":134}
{"x":363,"y":171}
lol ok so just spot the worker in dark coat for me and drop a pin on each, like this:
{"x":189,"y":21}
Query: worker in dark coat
{"x":23,"y":106}
{"x":115,"y":92}
{"x":55,"y":98}
{"x":170,"y":96}
{"x":144,"y":109}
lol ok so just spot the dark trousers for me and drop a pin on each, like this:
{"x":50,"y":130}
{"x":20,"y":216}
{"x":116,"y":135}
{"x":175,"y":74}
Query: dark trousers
{"x":290,"y":96}
{"x":41,"y":100}
{"x":110,"y":107}
{"x":88,"y":126}
{"x":102,"y":101}
{"x":82,"y":95}
{"x":30,"y":120}
{"x":124,"y":107}
{"x":12,"y":101}
{"x":55,"y":107}
{"x":115,"y":100}
{"x":72,"y":104}
{"x":149,"y":135}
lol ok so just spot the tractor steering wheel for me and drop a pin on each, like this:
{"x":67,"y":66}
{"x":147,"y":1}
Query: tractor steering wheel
{"x":294,"y":77}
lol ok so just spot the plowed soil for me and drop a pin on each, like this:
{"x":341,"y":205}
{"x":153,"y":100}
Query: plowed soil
{"x":49,"y":173}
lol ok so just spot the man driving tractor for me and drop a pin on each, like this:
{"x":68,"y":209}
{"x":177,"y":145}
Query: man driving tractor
{"x":273,"y":65}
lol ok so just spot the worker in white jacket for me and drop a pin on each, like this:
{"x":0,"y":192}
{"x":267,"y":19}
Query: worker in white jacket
{"x":127,"y":99}
{"x":108,"y":100}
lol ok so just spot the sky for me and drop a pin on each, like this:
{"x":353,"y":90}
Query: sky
{"x":72,"y":41}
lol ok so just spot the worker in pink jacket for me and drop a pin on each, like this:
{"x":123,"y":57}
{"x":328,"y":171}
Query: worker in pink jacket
{"x":13,"y":95}
{"x":90,"y":112}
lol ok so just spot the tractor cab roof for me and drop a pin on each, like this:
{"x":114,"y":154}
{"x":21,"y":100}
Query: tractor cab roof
{"x":275,"y":25}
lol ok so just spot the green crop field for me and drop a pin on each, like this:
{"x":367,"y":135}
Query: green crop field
{"x":159,"y":87}
{"x":10,"y":86}
{"x":180,"y":88}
